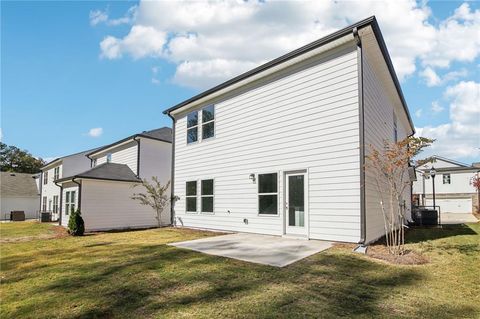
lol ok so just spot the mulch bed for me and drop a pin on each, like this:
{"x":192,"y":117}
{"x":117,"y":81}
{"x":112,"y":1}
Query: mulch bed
{"x":410,"y":257}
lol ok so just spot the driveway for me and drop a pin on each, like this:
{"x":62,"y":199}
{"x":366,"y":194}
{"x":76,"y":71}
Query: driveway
{"x":456,"y":218}
{"x":261,"y":249}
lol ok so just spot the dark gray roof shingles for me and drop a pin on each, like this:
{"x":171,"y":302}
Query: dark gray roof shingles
{"x":18,"y":184}
{"x":108,"y":171}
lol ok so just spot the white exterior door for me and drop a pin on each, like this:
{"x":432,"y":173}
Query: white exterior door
{"x":296,"y":214}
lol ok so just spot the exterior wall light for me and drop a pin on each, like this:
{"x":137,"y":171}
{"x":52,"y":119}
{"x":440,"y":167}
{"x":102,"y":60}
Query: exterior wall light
{"x":252,"y":177}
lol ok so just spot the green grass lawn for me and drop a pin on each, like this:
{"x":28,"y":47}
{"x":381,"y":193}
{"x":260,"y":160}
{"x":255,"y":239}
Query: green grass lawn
{"x":27,"y":230}
{"x":135,"y":275}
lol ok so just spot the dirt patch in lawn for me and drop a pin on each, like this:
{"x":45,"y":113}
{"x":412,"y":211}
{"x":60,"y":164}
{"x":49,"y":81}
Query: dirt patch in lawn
{"x":54,"y":232}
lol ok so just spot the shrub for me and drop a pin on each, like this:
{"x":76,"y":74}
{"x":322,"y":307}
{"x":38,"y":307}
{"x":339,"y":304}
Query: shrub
{"x":76,"y":225}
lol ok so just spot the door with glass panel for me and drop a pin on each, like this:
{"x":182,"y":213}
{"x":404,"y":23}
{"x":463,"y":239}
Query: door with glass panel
{"x":295,"y":211}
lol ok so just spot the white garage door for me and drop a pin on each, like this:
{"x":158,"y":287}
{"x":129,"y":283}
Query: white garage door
{"x":458,"y":205}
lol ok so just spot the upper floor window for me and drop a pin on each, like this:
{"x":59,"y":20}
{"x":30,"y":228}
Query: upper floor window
{"x":267,"y":194}
{"x":395,"y":131}
{"x":94,"y":162}
{"x":56,"y":173}
{"x":446,"y":178}
{"x":109,"y":157}
{"x":208,"y":122}
{"x":192,"y":127}
{"x":45,"y":178}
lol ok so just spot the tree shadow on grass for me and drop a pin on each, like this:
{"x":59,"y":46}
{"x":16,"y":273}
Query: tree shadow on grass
{"x":421,"y":234}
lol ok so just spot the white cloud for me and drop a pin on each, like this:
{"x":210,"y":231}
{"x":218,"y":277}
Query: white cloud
{"x":436,"y":107}
{"x":461,"y":137}
{"x":433,"y":79}
{"x":97,"y":16}
{"x":418,"y":113}
{"x":141,"y":42}
{"x":228,"y":37}
{"x":457,"y":39}
{"x":95,"y":132}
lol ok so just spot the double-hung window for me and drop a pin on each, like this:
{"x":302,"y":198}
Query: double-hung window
{"x":55,"y":204}
{"x":207,"y":196}
{"x":44,"y":204}
{"x":192,"y":127}
{"x":268,"y":194}
{"x":109,"y":157}
{"x":45,"y":178}
{"x":446,"y":178}
{"x":69,"y":202}
{"x":208,"y":122}
{"x":191,"y":196}
{"x":56,"y":173}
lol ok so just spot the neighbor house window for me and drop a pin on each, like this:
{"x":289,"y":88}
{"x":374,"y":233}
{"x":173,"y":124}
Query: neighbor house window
{"x":395,"y":131}
{"x":192,"y":127}
{"x":446,"y":178}
{"x":55,"y":204}
{"x":267,"y":194}
{"x":94,"y":162}
{"x":45,"y":178}
{"x":44,"y":204}
{"x":208,"y":122}
{"x":109,"y":158}
{"x":207,"y":196}
{"x":69,"y":202}
{"x":191,"y":196}
{"x":56,"y":173}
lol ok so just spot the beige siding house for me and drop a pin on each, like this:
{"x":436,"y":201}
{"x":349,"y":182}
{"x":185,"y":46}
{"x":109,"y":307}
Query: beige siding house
{"x":103,"y":192}
{"x":280,"y":150}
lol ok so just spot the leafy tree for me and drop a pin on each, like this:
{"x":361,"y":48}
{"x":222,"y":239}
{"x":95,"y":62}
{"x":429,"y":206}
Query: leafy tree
{"x":156,"y":196}
{"x":13,"y":159}
{"x":390,"y":167}
{"x":475,"y":182}
{"x":76,"y":225}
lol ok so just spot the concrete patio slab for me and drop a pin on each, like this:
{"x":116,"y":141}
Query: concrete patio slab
{"x":456,"y":218}
{"x":261,"y":249}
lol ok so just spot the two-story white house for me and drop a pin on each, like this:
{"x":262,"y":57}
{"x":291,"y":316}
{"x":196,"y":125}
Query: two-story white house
{"x":103,"y":192}
{"x":50,"y":199}
{"x":281,"y":149}
{"x":454,"y":192}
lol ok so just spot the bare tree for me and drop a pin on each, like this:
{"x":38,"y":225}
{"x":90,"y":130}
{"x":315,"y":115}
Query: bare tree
{"x":390,"y":167}
{"x":156,"y":196}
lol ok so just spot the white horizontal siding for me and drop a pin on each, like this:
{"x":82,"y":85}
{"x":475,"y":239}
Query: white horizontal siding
{"x":123,"y":154}
{"x":108,"y":205}
{"x":307,"y":119}
{"x":378,"y":119}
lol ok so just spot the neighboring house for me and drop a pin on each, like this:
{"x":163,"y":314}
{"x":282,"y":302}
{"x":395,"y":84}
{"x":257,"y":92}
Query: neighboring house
{"x":454,"y":192}
{"x":56,"y":169}
{"x":18,"y":191}
{"x":281,"y":149}
{"x":103,"y":192}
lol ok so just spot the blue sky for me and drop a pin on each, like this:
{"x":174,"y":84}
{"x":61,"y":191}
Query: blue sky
{"x":70,"y":67}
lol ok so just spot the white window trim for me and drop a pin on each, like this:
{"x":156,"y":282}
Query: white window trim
{"x":56,"y":173}
{"x":211,"y":121}
{"x":70,"y":202}
{"x":45,"y":178}
{"x":257,"y":177}
{"x":212,"y":196}
{"x":196,"y":126}
{"x":190,"y":196}
{"x":55,"y":204}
